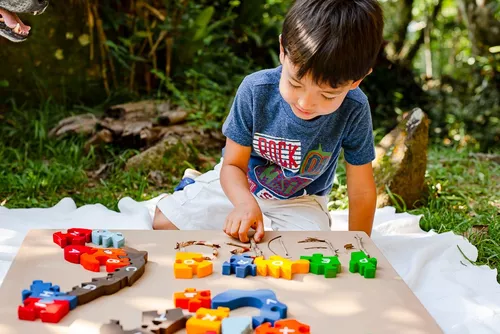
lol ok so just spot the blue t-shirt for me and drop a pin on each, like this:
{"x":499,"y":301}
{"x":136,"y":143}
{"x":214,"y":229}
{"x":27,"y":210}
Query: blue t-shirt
{"x":292,"y":157}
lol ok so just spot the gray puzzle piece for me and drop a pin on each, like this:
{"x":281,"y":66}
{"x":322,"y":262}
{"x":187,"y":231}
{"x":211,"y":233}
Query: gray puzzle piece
{"x":168,"y":322}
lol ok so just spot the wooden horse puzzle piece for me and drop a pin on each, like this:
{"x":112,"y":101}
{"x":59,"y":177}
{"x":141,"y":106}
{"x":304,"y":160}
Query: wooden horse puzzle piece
{"x":189,"y":264}
{"x":360,"y":262}
{"x":277,"y":266}
{"x":329,"y":266}
{"x":74,"y":236}
{"x":168,"y":322}
{"x":237,"y":325}
{"x":107,"y":238}
{"x":207,"y":320}
{"x":286,"y":326}
{"x":241,"y":265}
{"x":112,"y":258}
{"x":271,"y":309}
{"x":192,"y":300}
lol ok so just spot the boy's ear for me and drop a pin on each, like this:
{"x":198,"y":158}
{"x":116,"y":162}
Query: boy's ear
{"x":356,"y":84}
{"x":282,"y":52}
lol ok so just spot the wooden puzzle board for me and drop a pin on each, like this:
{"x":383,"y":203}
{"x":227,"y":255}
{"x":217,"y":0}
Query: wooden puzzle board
{"x":348,"y":303}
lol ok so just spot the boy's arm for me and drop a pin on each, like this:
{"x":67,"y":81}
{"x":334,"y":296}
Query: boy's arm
{"x":362,"y":195}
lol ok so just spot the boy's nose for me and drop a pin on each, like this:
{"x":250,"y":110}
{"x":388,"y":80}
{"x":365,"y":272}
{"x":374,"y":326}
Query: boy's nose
{"x":306,"y":101}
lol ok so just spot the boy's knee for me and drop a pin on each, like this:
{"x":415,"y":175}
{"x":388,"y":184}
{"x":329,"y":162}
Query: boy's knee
{"x":160,"y":222}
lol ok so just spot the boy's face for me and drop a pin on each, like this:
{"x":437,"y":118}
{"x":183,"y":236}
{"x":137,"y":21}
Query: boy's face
{"x":307,"y":99}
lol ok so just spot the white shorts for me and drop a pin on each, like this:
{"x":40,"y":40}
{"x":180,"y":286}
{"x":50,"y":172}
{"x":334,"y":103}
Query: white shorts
{"x":203,"y":205}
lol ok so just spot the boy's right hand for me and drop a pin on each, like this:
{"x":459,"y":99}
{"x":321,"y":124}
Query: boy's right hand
{"x":242,"y":218}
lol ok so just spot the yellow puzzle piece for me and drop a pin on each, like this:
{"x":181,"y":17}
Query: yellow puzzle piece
{"x":188,"y":264}
{"x":277,"y":267}
{"x":207,"y":320}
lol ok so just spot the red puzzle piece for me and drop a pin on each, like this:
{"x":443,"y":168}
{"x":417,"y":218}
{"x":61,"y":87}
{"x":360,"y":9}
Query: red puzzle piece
{"x":284,"y":326}
{"x":72,"y":253}
{"x":75,"y":236}
{"x":110,"y":257}
{"x":192,"y":300}
{"x":47,"y":310}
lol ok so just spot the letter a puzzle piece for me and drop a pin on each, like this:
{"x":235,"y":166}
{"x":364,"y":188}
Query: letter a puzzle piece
{"x":237,"y":325}
{"x":72,"y":253}
{"x":207,"y":320}
{"x":241,"y":265}
{"x":188,"y":264}
{"x":48,"y":310}
{"x":277,"y":267}
{"x":286,"y":326}
{"x":323,"y":265}
{"x":192,"y":300}
{"x":107,"y":238}
{"x":48,"y":292}
{"x":366,"y":266}
{"x":169,"y":322}
{"x":113,"y":258}
{"x":75,"y":236}
{"x":271,"y":309}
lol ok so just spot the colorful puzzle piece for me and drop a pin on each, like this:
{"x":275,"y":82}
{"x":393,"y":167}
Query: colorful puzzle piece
{"x":75,"y":236}
{"x":323,"y":265}
{"x":207,"y":320}
{"x":47,"y":310}
{"x":278,"y":267}
{"x":237,"y":325}
{"x":366,"y":266}
{"x":241,"y":265}
{"x":112,"y":258}
{"x":192,"y":300}
{"x":48,"y":292}
{"x":271,"y":309}
{"x":107,"y":238}
{"x":286,"y":326}
{"x":188,"y":264}
{"x":167,"y":322}
{"x":72,"y":253}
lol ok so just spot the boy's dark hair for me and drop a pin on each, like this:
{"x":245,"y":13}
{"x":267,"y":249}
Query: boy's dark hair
{"x":335,"y":40}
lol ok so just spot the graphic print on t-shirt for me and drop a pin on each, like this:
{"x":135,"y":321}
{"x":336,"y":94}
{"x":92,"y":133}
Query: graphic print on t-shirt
{"x":283,"y":152}
{"x":272,"y":177}
{"x":315,"y":161}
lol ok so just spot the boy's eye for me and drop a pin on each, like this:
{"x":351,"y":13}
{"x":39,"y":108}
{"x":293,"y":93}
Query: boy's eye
{"x":294,"y":86}
{"x":329,"y":98}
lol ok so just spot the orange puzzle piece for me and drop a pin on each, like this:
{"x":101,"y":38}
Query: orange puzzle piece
{"x":188,"y":264}
{"x":284,"y":326}
{"x":110,"y":257}
{"x":277,"y":267}
{"x":207,"y":320}
{"x":192,"y":300}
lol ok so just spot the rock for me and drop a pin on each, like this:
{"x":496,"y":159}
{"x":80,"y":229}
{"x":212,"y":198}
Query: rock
{"x":401,"y":161}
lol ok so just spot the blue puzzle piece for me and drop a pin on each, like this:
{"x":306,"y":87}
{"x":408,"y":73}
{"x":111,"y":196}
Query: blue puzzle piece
{"x":242,"y":265}
{"x":107,"y":238}
{"x":271,"y":309}
{"x":237,"y":325}
{"x":48,"y":292}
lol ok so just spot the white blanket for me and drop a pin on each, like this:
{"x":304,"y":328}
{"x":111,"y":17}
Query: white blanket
{"x":463,"y":298}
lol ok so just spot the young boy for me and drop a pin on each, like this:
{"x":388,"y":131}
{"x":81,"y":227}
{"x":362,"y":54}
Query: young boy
{"x":286,"y":128}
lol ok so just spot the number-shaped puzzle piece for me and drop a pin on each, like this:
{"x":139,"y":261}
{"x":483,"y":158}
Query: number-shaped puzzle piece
{"x":207,"y":320}
{"x":271,"y":309}
{"x":241,"y":265}
{"x":112,"y":258}
{"x":286,"y":326}
{"x":237,"y":325}
{"x":75,"y":236}
{"x":278,"y":267}
{"x":188,"y":264}
{"x":192,"y":300}
{"x":323,"y":265}
{"x":48,"y":292}
{"x":366,"y":266}
{"x":47,"y":310}
{"x":107,"y":238}
{"x":167,"y":322}
{"x":72,"y":253}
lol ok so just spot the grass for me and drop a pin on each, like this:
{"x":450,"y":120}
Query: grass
{"x":38,"y":171}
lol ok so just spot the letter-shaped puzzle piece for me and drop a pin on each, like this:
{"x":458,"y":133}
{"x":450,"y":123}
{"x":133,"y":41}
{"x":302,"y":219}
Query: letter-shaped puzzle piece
{"x":107,"y":238}
{"x":241,"y":265}
{"x":168,"y":322}
{"x":114,"y":327}
{"x":271,"y":309}
{"x":192,"y":300}
{"x":278,"y":267}
{"x":75,"y":236}
{"x":47,"y":310}
{"x":207,"y":320}
{"x":237,"y":325}
{"x":72,"y":253}
{"x":366,"y":266}
{"x":285,"y":326}
{"x":48,"y":292}
{"x":111,"y":257}
{"x":323,"y":265}
{"x":188,"y":264}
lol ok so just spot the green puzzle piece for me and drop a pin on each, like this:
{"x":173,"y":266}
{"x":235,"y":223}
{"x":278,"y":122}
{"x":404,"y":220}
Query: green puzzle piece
{"x":323,"y":265}
{"x":363,"y":264}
